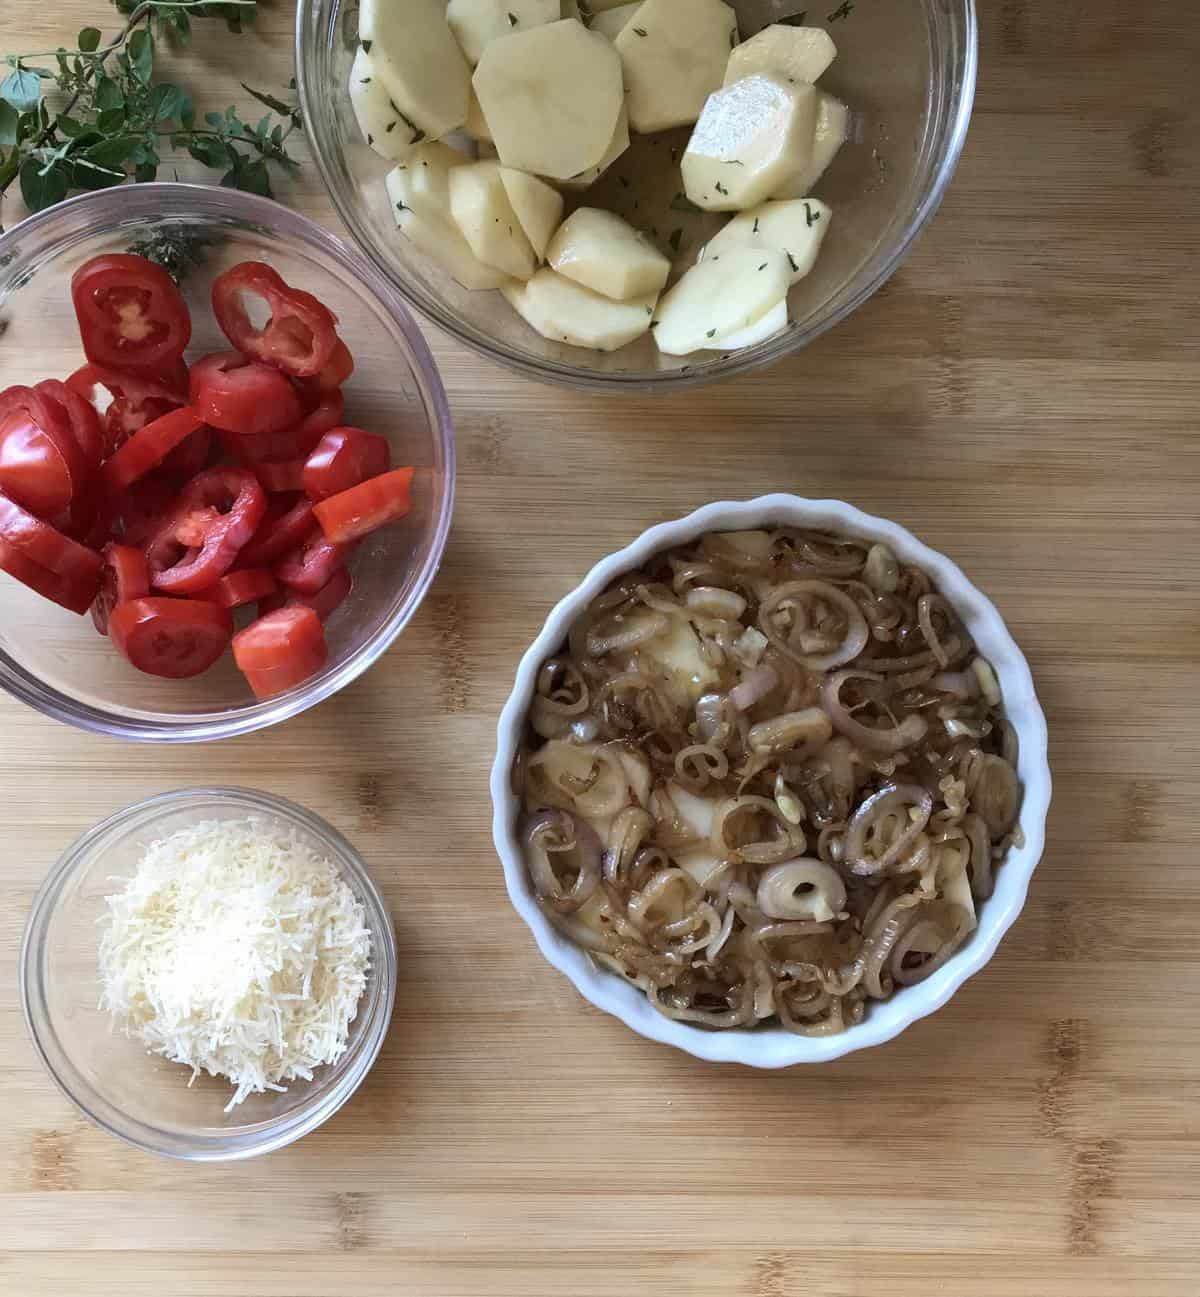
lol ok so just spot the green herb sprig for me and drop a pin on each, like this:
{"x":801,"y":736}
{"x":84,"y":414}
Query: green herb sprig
{"x":115,"y":118}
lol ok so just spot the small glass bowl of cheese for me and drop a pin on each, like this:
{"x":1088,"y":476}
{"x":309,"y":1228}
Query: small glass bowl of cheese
{"x":113,"y":1078}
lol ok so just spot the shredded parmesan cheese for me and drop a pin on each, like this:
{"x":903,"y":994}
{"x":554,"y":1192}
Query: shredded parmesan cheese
{"x":238,"y":950}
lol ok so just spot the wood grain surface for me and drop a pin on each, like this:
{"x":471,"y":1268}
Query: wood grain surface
{"x":1024,"y":395}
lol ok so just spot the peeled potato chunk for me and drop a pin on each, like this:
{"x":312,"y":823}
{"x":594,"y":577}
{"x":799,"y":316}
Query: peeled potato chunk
{"x":480,"y":208}
{"x":420,"y":203}
{"x":476,"y":23}
{"x":721,"y":296}
{"x":538,"y":206}
{"x":616,"y":146}
{"x":775,"y":321}
{"x":674,"y":57}
{"x":476,"y":124}
{"x":382,"y":126}
{"x":797,"y":226}
{"x":833,"y":122}
{"x":602,"y":6}
{"x":551,"y":96}
{"x":606,"y":254}
{"x":611,"y":22}
{"x":752,"y":137}
{"x":418,"y":60}
{"x":563,"y":311}
{"x":796,"y":55}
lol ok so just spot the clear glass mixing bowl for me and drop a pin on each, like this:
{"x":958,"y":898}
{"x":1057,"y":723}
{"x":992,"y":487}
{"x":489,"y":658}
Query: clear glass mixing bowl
{"x":906,"y":68}
{"x":56,"y":661}
{"x":141,"y":1097}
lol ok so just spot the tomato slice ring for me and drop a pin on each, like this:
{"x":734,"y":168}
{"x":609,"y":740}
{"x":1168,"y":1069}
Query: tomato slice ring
{"x":72,"y":593}
{"x":300,"y":338}
{"x":126,"y":576}
{"x":343,"y":458}
{"x":131,"y":314}
{"x":312,"y":565}
{"x":216,"y":516}
{"x":352,"y":514}
{"x":41,"y":465}
{"x":247,"y":585}
{"x":148,"y":447}
{"x":172,"y":638}
{"x":45,"y":545}
{"x":283,"y":529}
{"x":281,"y":650}
{"x":240,"y":395}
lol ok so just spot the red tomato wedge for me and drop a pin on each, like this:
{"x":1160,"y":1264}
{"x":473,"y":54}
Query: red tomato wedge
{"x":148,"y":447}
{"x":283,"y":529}
{"x":299,"y":338}
{"x":173,"y":638}
{"x":41,"y":466}
{"x":81,"y":416}
{"x":343,"y":458}
{"x":216,"y":516}
{"x":246,"y":585}
{"x":312,"y":565}
{"x":126,"y":576}
{"x":73,"y":593}
{"x":349,"y":516}
{"x":281,"y":650}
{"x":239,"y":395}
{"x":131,"y":314}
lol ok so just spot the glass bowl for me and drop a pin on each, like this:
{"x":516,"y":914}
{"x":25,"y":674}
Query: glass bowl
{"x":56,"y":661}
{"x":905,"y":68}
{"x":141,"y":1097}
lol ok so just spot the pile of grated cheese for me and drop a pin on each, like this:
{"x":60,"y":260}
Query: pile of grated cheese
{"x":236,"y":949}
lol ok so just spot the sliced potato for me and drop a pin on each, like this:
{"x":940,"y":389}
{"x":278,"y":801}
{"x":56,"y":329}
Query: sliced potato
{"x":476,"y":124}
{"x":775,"y":321}
{"x":539,"y":207}
{"x":616,"y":146}
{"x":382,"y":126}
{"x":833,"y":123}
{"x":722,"y":295}
{"x":418,"y":60}
{"x":798,"y":226}
{"x":606,"y":254}
{"x":679,"y":656}
{"x":563,"y":311}
{"x":422,"y":179}
{"x":475,"y":23}
{"x":674,"y":57}
{"x":480,"y":208}
{"x":570,"y":9}
{"x":752,"y":137}
{"x":603,"y":6}
{"x":551,"y":96}
{"x":435,"y":235}
{"x":797,"y":55}
{"x":611,"y":22}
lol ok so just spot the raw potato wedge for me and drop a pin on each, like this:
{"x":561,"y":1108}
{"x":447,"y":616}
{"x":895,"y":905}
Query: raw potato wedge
{"x":551,"y":96}
{"x":603,"y":6}
{"x":616,"y":146}
{"x":418,"y":60}
{"x":752,"y":138}
{"x":721,"y":296}
{"x":832,"y":129}
{"x":564,"y":311}
{"x":480,"y":208}
{"x":798,"y":226}
{"x":382,"y":127}
{"x":476,"y":124}
{"x":436,"y":235}
{"x":775,"y":321}
{"x":796,"y":55}
{"x":422,"y":179}
{"x":539,"y":207}
{"x":476,"y":23}
{"x":674,"y":57}
{"x":611,"y":22}
{"x":606,"y":254}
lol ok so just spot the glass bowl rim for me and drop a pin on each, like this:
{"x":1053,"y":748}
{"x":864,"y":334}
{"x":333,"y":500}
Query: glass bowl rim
{"x":378,"y":1000}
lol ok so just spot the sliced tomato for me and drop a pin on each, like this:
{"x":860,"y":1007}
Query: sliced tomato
{"x":285,"y":527}
{"x":81,"y":416}
{"x":41,"y":466}
{"x":247,"y":585}
{"x":334,"y":374}
{"x":343,"y":458}
{"x":238,"y":395}
{"x":280,"y":476}
{"x":148,"y":447}
{"x":126,"y":576}
{"x":352,"y":514}
{"x":73,"y":593}
{"x":281,"y":650}
{"x":312,"y":565}
{"x":45,"y":545}
{"x":131,"y":314}
{"x":299,"y":338}
{"x":216,"y":516}
{"x":173,"y":638}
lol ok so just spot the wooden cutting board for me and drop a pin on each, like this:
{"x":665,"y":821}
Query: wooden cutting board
{"x":1025,"y":395}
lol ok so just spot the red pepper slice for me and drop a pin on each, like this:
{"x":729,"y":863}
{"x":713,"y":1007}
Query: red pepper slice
{"x":73,"y":593}
{"x":246,"y":585}
{"x":81,"y":416}
{"x":343,"y":458}
{"x":352,"y":514}
{"x":126,"y":576}
{"x":217,"y":515}
{"x":327,"y":600}
{"x":312,"y":565}
{"x":239,"y":395}
{"x":333,"y":375}
{"x":280,"y":476}
{"x":281,"y":650}
{"x":142,"y":510}
{"x":173,"y":638}
{"x":148,"y":447}
{"x":299,"y":338}
{"x":131,"y":314}
{"x":283,"y":529}
{"x":45,"y":545}
{"x":41,"y":466}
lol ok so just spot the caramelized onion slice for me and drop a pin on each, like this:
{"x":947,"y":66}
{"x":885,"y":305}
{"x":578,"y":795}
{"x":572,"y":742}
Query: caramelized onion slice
{"x":795,"y":594}
{"x":802,"y":889}
{"x":560,"y":833}
{"x":910,"y":801}
{"x":910,"y":730}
